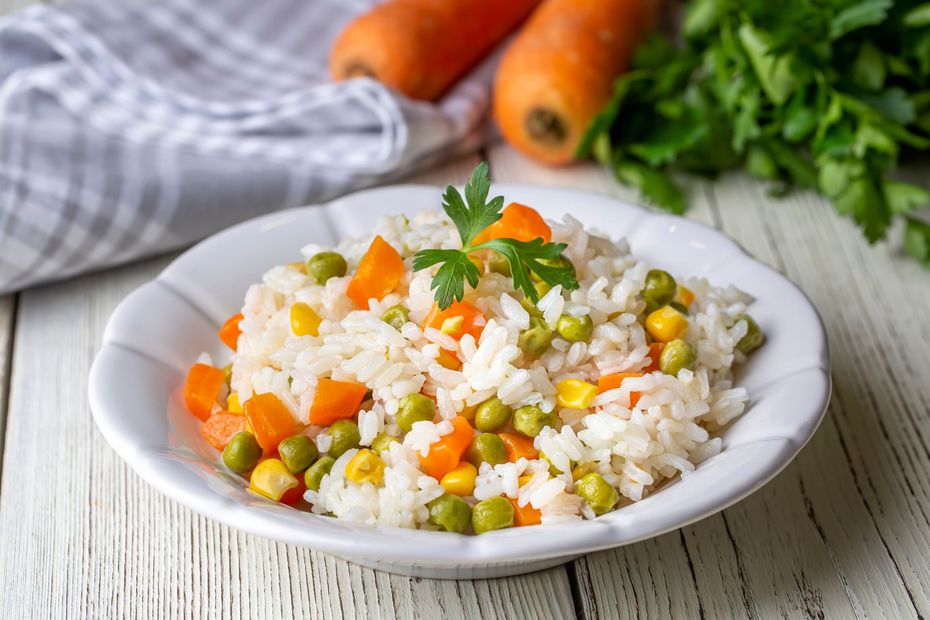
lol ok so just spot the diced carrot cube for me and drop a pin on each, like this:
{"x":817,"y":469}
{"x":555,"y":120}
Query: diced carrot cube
{"x":445,"y":454}
{"x":220,"y":428}
{"x":612,"y":382}
{"x":518,"y":446}
{"x":525,"y":515}
{"x":458,"y":319}
{"x":518,"y":222}
{"x":202,"y":388}
{"x":271,"y":421}
{"x":378,"y":273}
{"x":335,"y":400}
{"x":229,"y":332}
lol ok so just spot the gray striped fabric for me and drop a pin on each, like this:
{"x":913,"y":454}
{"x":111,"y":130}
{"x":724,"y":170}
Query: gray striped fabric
{"x":130,"y":128}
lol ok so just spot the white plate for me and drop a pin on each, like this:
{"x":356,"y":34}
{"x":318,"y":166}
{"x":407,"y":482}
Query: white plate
{"x":159,"y":330}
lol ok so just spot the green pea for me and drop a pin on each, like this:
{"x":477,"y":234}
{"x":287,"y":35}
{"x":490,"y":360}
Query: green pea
{"x":530,"y":419}
{"x":414,"y":408}
{"x":491,"y":415}
{"x":498,"y":263}
{"x":659,"y":289}
{"x":325,"y":265}
{"x":754,"y":337}
{"x":597,"y":493}
{"x":677,"y":305}
{"x":314,"y":474}
{"x":559,"y":261}
{"x":298,"y":453}
{"x":449,"y":512}
{"x":494,"y":513}
{"x":227,"y":374}
{"x":486,"y":448}
{"x":676,"y":355}
{"x":396,"y":316}
{"x":345,"y":437}
{"x":575,"y":328}
{"x":382,"y":442}
{"x":536,"y":339}
{"x":242,"y":452}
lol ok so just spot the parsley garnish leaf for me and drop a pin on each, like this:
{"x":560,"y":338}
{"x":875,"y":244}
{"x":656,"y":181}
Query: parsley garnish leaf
{"x":478,"y":214}
{"x":472,"y":215}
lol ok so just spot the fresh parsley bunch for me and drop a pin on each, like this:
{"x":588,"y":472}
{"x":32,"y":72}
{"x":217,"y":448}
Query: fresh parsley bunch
{"x":472,"y":215}
{"x":821,"y":94}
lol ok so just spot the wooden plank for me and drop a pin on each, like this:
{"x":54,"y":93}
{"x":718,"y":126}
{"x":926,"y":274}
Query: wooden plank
{"x":843,"y":531}
{"x":862,"y":481}
{"x":84,"y":536}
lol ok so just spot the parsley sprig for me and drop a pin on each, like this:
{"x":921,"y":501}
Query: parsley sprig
{"x":471,"y":215}
{"x":801,"y":93}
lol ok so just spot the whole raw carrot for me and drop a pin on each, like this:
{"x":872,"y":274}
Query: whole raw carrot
{"x":420,"y":47}
{"x":558,"y":73}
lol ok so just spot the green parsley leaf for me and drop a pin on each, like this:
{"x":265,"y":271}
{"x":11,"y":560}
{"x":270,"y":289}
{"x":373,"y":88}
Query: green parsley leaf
{"x":524,"y":257}
{"x":859,"y":15}
{"x":470,"y":216}
{"x":478,"y":214}
{"x":454,"y":269}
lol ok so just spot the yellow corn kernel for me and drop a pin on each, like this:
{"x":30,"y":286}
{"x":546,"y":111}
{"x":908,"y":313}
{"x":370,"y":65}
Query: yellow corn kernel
{"x":304,"y":321}
{"x":666,"y":324}
{"x":448,"y":359}
{"x":232,"y":403}
{"x":575,"y":393}
{"x":365,"y":466}
{"x":272,"y":479}
{"x":524,"y":480}
{"x":452,"y":325}
{"x":685,"y":295}
{"x":461,"y":480}
{"x":298,"y":266}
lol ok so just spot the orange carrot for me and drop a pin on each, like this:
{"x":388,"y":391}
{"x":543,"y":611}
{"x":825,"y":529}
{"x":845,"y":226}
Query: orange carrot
{"x":202,"y":389}
{"x":420,"y":47}
{"x":458,"y":319}
{"x":655,"y":350}
{"x":518,"y":446}
{"x":517,"y":222}
{"x":445,"y":454}
{"x":378,"y":273}
{"x":229,"y":332}
{"x":335,"y":400}
{"x":612,"y":382}
{"x":559,"y":71}
{"x":271,"y":421}
{"x":525,"y":515}
{"x":220,"y":428}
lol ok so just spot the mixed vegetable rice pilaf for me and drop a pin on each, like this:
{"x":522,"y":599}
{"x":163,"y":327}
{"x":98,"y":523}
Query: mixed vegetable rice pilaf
{"x":471,"y":371}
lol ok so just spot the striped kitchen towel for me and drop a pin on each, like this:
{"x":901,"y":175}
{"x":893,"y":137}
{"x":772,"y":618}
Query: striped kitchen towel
{"x":134,"y":127}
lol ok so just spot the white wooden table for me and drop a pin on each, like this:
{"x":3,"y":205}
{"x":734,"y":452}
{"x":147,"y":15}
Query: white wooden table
{"x":843,"y":532}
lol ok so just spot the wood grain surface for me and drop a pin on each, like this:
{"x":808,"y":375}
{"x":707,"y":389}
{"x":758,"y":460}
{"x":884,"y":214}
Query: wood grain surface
{"x":842,"y":532}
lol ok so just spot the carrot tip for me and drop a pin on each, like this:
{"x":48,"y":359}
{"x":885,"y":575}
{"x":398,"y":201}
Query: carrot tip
{"x":545,"y":126}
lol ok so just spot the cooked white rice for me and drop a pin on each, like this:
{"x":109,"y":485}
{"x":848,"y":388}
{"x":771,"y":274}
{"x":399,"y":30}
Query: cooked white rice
{"x":635,"y":449}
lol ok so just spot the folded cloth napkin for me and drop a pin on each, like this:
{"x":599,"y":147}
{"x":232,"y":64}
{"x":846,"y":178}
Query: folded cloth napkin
{"x":129,"y":128}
